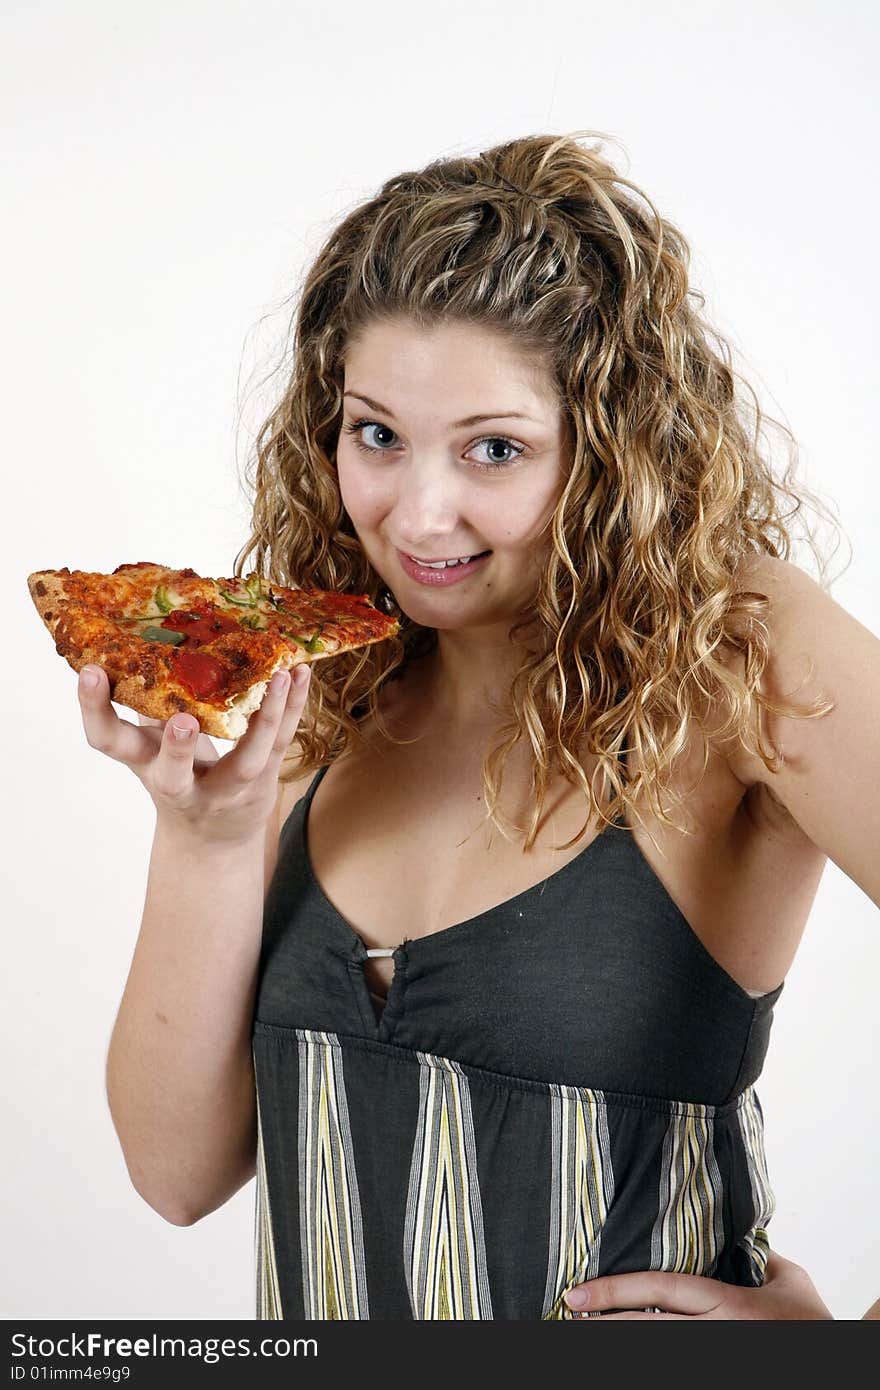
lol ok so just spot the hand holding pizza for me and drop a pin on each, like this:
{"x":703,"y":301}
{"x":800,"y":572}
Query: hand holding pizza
{"x":212,"y":799}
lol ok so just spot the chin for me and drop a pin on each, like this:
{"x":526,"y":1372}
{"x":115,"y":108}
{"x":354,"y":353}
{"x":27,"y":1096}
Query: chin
{"x":445,"y":619}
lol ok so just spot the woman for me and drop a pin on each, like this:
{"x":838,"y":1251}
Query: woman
{"x":504,"y":1041}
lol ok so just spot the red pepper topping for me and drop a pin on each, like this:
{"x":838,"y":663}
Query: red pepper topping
{"x":199,"y":625}
{"x":200,"y":673}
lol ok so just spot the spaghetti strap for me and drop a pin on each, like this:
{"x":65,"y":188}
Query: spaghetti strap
{"x":313,"y":785}
{"x":301,"y":808}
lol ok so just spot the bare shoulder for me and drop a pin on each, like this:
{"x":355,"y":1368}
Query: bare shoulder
{"x":826,"y":663}
{"x":767,"y":575}
{"x":785,"y":678}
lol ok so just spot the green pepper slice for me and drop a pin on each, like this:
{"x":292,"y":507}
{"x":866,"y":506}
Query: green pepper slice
{"x":163,"y":634}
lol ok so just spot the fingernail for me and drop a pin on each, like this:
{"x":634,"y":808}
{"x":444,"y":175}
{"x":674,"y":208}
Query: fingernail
{"x":278,"y":683}
{"x":88,"y":678}
{"x":577,"y":1298}
{"x":181,"y":730}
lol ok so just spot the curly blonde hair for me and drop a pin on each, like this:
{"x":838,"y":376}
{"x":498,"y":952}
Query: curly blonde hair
{"x":667,"y":493}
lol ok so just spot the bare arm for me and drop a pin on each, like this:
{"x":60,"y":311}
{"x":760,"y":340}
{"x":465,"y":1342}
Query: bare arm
{"x":180,"y":1080}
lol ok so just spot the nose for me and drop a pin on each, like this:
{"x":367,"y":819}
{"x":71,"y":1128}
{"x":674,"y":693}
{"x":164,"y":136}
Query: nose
{"x":427,"y":504}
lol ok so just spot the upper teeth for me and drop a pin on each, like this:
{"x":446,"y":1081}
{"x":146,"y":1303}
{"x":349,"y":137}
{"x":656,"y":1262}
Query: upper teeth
{"x":443,"y":564}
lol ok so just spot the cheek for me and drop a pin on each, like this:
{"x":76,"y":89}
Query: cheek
{"x":364,"y":496}
{"x":524,"y":520}
{"x":542,"y":517}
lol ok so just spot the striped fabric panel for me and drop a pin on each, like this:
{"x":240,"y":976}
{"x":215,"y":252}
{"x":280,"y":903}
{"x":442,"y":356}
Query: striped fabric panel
{"x":688,"y":1234}
{"x":444,"y":1249}
{"x":751,"y":1127}
{"x":581,"y":1192}
{"x":444,"y":1245}
{"x":331,"y":1229}
{"x":268,"y":1289}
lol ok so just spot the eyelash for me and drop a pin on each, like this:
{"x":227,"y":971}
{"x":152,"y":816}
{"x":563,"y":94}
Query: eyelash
{"x":355,"y":428}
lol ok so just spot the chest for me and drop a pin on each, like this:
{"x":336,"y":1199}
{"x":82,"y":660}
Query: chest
{"x":402,"y":849}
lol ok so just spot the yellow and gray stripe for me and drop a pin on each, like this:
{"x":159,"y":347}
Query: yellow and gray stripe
{"x":444,"y":1245}
{"x":751,"y":1127}
{"x":581,"y":1192}
{"x":331,"y":1229}
{"x":688,"y":1234}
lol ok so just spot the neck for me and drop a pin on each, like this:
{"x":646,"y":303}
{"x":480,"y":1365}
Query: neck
{"x":463,"y":684}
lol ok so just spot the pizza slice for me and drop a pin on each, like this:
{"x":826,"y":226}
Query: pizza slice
{"x":173,"y":641}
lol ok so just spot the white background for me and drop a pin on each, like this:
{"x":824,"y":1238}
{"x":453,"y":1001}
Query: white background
{"x":169,"y":171}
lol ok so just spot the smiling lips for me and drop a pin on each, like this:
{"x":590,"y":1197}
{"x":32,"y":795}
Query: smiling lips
{"x":441,"y":572}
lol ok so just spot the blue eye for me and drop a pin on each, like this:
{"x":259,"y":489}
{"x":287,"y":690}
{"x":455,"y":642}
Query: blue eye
{"x":355,"y":430}
{"x":488,"y":465}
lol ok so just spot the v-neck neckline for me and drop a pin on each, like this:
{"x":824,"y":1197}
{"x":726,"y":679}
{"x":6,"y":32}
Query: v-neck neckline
{"x":382,"y":1023}
{"x":357,"y":948}
{"x":442,"y":933}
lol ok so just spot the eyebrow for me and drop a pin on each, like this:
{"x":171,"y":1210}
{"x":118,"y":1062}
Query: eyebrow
{"x":457,"y":424}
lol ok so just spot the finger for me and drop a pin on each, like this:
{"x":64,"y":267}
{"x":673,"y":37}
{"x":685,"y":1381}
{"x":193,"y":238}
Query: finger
{"x":639,"y":1317}
{"x":298,"y":694}
{"x":680,"y":1293}
{"x":269,"y":730}
{"x":172,"y":774}
{"x":205,"y":755}
{"x":104,"y":730}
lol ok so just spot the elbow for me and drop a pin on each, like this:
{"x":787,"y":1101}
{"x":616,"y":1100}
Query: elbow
{"x":175,"y":1216}
{"x":164,"y":1203}
{"x":184,"y":1192}
{"x":187,"y":1214}
{"x":160,"y":1196}
{"x":178,"y":1219}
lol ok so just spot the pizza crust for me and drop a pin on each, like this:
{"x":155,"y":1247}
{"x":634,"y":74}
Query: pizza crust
{"x":228,"y":723}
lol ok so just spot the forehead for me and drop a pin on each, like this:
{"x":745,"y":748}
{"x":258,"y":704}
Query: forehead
{"x":404,"y":360}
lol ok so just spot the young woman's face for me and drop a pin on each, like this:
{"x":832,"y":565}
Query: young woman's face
{"x":421,"y":485}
